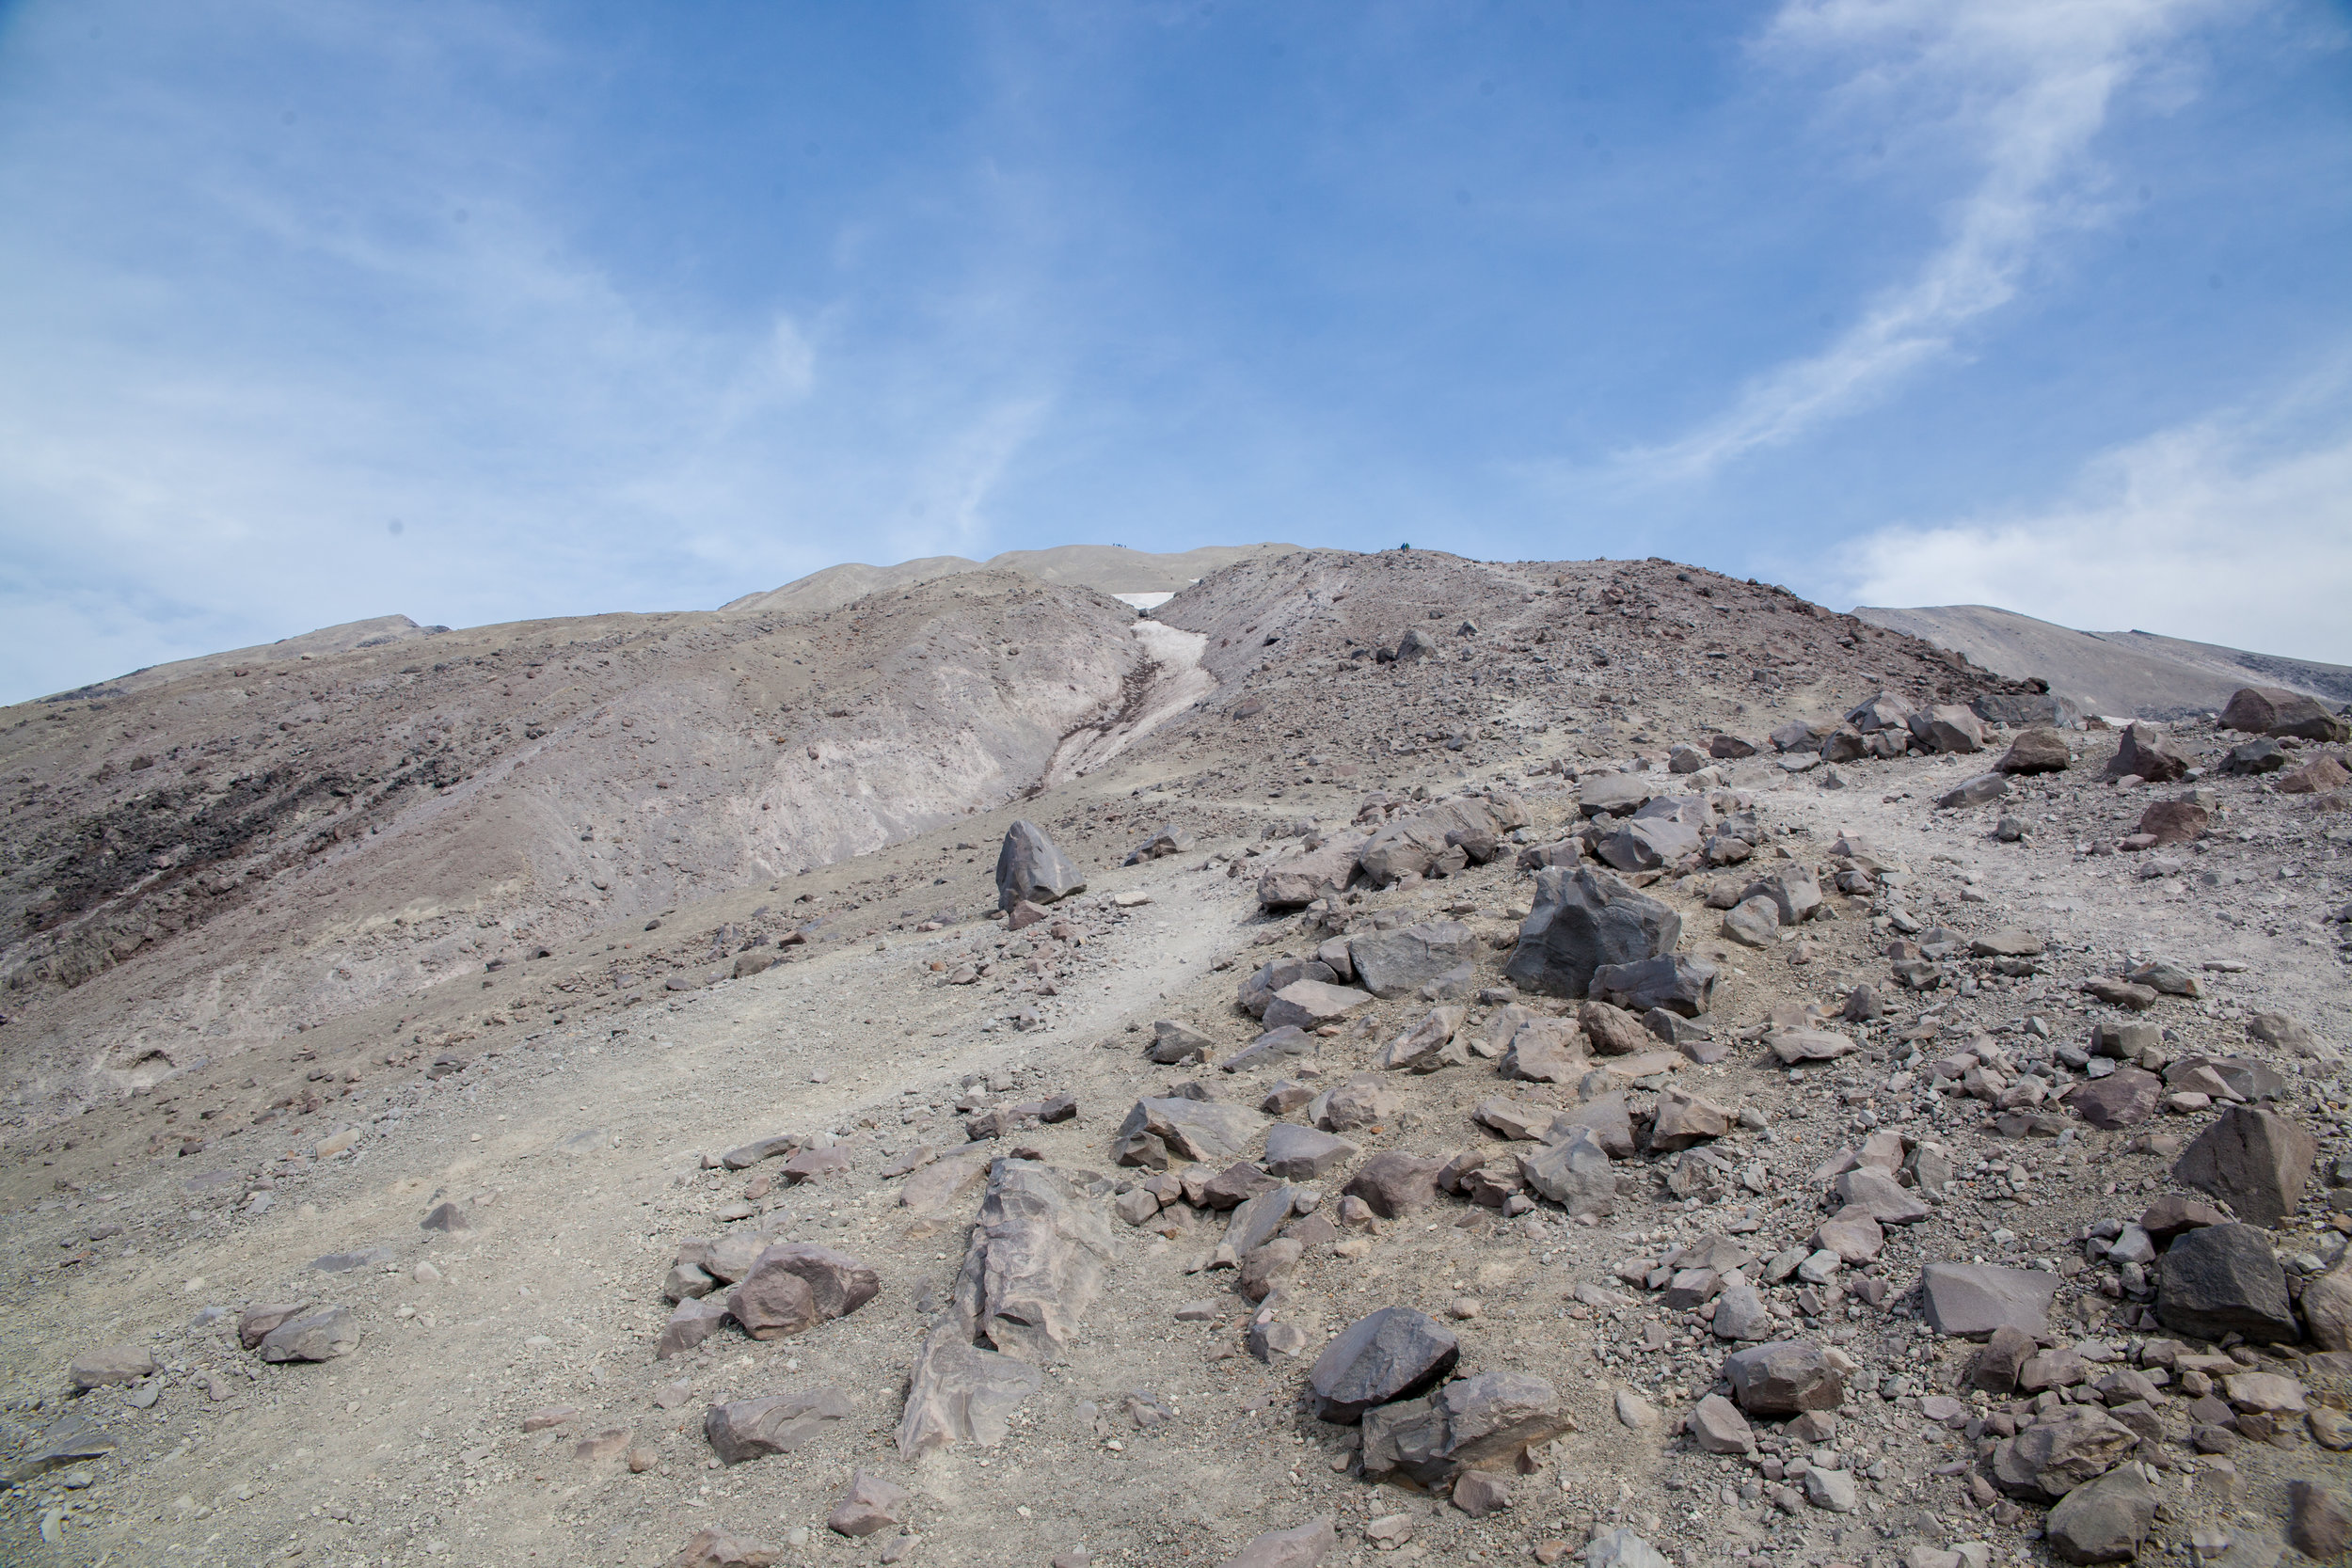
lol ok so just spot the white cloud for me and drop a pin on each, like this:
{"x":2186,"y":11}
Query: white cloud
{"x":2017,"y":91}
{"x":2215,"y":531}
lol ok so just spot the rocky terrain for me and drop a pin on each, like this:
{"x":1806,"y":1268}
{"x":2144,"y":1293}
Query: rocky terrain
{"x":1467,"y":1063}
{"x":2125,"y":674}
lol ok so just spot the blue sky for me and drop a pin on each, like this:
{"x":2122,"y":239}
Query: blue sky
{"x":317,"y":309}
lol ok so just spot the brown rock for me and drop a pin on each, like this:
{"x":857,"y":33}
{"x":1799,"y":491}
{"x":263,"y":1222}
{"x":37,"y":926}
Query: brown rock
{"x":2318,"y":1523}
{"x":1478,"y":1493}
{"x":1612,"y":1031}
{"x":96,"y":1368}
{"x":2124,"y":1097}
{"x":1685,"y":1119}
{"x":797,"y":1286}
{"x":2143,"y":752}
{"x":716,"y":1548}
{"x":2276,"y":711}
{"x":1394,"y":1183}
{"x":2175,"y":821}
{"x":2038,"y":750}
{"x":2320,"y":776}
{"x":773,"y":1423}
{"x":870,"y":1504}
{"x":2172,"y":1215}
{"x":2257,"y":1162}
{"x":1302,"y":1547}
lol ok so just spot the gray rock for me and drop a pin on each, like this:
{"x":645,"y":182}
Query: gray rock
{"x":97,"y":1368}
{"x":1320,"y":873}
{"x":1276,"y":1046}
{"x":1741,"y":1315}
{"x":1361,"y":1101}
{"x":1254,"y":1222}
{"x":1791,"y":891}
{"x":2274,"y":710}
{"x":2257,"y":1162}
{"x":870,"y":1504}
{"x":798,"y":1284}
{"x":1787,"y":1377}
{"x":1622,"y":1548}
{"x":1613,"y":794}
{"x":1029,"y":867}
{"x":1391,"y":963}
{"x":1833,"y":1490}
{"x":1206,"y":1131}
{"x":1430,"y":1043}
{"x":2102,"y":1520}
{"x":1885,"y":1199}
{"x":1981,"y":790}
{"x":344,"y":1262}
{"x":321,"y":1335}
{"x":1394,"y":1354}
{"x":1573,"y":1173}
{"x":2048,"y":1460}
{"x":745,"y":1156}
{"x":1173,"y":1042}
{"x":1717,"y":1427}
{"x":1793,"y":1046}
{"x":2224,"y":1279}
{"x":1034,"y":1264}
{"x":1584,"y":919}
{"x":2037,"y":749}
{"x":1648,"y":845}
{"x":694,"y":1321}
{"x":2124,"y":1097}
{"x":1972,"y":1301}
{"x":1752,"y":923}
{"x":2144,"y":753}
{"x":1605,"y":1116}
{"x":1302,"y":1548}
{"x":1303,"y":1153}
{"x":1684,"y":1119}
{"x":772,"y":1423}
{"x":1267,"y":1267}
{"x":1395,"y":1183}
{"x":2319,"y":1524}
{"x":1678,"y":983}
{"x":1545,"y":1051}
{"x":1312,"y":1004}
{"x":1481,"y":1422}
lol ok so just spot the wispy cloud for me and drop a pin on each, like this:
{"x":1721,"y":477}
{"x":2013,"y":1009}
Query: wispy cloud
{"x":2234,"y":529}
{"x":2015,"y":93}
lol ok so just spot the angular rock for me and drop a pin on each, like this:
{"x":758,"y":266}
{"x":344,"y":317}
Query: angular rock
{"x":1881,"y":1196}
{"x":1430,"y":1043}
{"x":1983,"y":789}
{"x":2319,"y":1522}
{"x":2124,"y":1097}
{"x":945,"y":1185}
{"x":1996,"y":1367}
{"x":1393,"y":1353}
{"x":1029,"y":867}
{"x":1481,"y":1422}
{"x":1321,"y":873}
{"x":2038,"y":750}
{"x":1752,"y":923}
{"x":716,"y":1548}
{"x":1254,"y":1223}
{"x":98,"y":1369}
{"x":1972,"y":1301}
{"x":1034,"y":1264}
{"x":1949,"y":728}
{"x":1787,"y":1377}
{"x":1267,"y":1267}
{"x":1832,"y":1490}
{"x":2276,"y":711}
{"x":2257,"y":1162}
{"x":1303,"y":1154}
{"x":796,"y":1286}
{"x":321,"y":1335}
{"x":1206,"y":1131}
{"x":1717,"y":1427}
{"x":1583,"y":920}
{"x":1312,"y":1004}
{"x":1235,"y":1184}
{"x":2169,"y":822}
{"x":1394,"y":1183}
{"x":1573,"y":1173}
{"x":1391,"y":963}
{"x":1173,"y":1042}
{"x":1741,"y":1315}
{"x":1604,"y":1115}
{"x":1791,"y":891}
{"x":1545,"y":1051}
{"x":2327,"y":1308}
{"x":1273,"y":1046}
{"x":2224,"y":1279}
{"x":1684,"y":1119}
{"x":1622,"y":1548}
{"x":1613,"y":794}
{"x":1302,"y":1548}
{"x":1358,"y":1102}
{"x":694,"y":1322}
{"x":2102,"y":1520}
{"x":1675,"y":981}
{"x":870,"y":1504}
{"x":2144,"y":753}
{"x":2322,"y":775}
{"x":2048,"y":1460}
{"x":745,"y":1156}
{"x":1792,"y":1046}
{"x":772,"y":1423}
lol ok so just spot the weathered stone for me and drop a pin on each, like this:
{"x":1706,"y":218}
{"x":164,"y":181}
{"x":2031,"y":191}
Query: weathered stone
{"x":1319,"y":873}
{"x":796,"y":1286}
{"x":2287,"y":1034}
{"x":2124,"y":1097}
{"x":1393,"y":1353}
{"x":1478,"y":1493}
{"x":1359,"y":1103}
{"x":2102,"y":1520}
{"x":320,"y":1335}
{"x":1428,"y":1045}
{"x":1784,"y":1378}
{"x":1613,"y":794}
{"x":1983,"y":789}
{"x":255,"y":1324}
{"x":1583,"y":920}
{"x":772,"y":1423}
{"x":2276,"y":711}
{"x":2010,"y":942}
{"x":1302,"y":1153}
{"x":1395,"y":1183}
{"x":745,"y":1156}
{"x":2038,"y":750}
{"x":1273,"y":1046}
{"x":2319,"y":1524}
{"x":2257,"y":1162}
{"x":1792,"y":1046}
{"x":1254,"y":1223}
{"x":2048,"y":1460}
{"x":2322,"y":775}
{"x":97,"y":1368}
{"x":1574,"y":1172}
{"x":1312,"y":1004}
{"x":1948,"y":728}
{"x":1972,"y":1301}
{"x":810,"y":1164}
{"x":1302,"y":1548}
{"x":2143,"y":754}
{"x":1390,"y":964}
{"x":1545,"y":1051}
{"x":2223,"y":1279}
{"x":1611,"y":1029}
{"x":1855,"y":1238}
{"x":2327,"y":1308}
{"x":1622,"y":1548}
{"x":1235,"y":1184}
{"x":1752,"y":923}
{"x":1516,"y":1119}
{"x":2172,"y":1216}
{"x":1791,"y":890}
{"x":870,"y":1504}
{"x":1684,"y":1119}
{"x":1881,"y":1195}
{"x":1832,"y":1490}
{"x":1481,"y":1422}
{"x":948,"y":1183}
{"x":1717,"y":1427}
{"x":1264,"y":1268}
{"x":1604,"y":1115}
{"x":716,"y":1548}
{"x":1173,"y":1042}
{"x":694,"y":1322}
{"x":1996,"y":1367}
{"x":1675,"y":981}
{"x":1029,"y":867}
{"x":1034,"y":1264}
{"x":1206,"y":1131}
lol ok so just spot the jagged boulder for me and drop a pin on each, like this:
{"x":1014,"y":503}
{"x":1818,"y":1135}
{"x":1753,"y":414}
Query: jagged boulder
{"x":2257,"y":1162}
{"x":1392,"y":1354}
{"x":1481,"y":1422}
{"x":1583,"y":920}
{"x":2274,"y":710}
{"x":1205,"y":1130}
{"x":1390,"y":964}
{"x":797,"y":1286}
{"x":772,"y":1423}
{"x":2144,"y":753}
{"x":1323,"y":872}
{"x":1029,"y":867}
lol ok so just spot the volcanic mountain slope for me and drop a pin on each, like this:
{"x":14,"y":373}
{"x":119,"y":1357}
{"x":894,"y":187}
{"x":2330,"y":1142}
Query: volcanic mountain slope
{"x":490,"y":1199}
{"x":2123,"y":674}
{"x":1104,"y":568}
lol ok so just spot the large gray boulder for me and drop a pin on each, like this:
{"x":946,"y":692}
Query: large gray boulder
{"x":1390,"y":964}
{"x":1971,"y":1300}
{"x":1394,"y":1354}
{"x":1323,"y":872}
{"x":2224,"y":1279}
{"x":1029,"y":867}
{"x":2257,"y":1162}
{"x":2102,"y":1520}
{"x":1480,"y":1423}
{"x":1206,"y":1131}
{"x":1585,"y":919}
{"x":772,"y":1423}
{"x":2275,"y":710}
